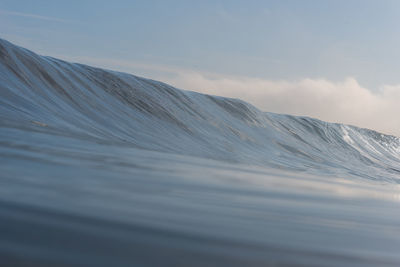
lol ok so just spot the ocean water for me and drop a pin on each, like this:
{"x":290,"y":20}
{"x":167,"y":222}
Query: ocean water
{"x":99,"y":168}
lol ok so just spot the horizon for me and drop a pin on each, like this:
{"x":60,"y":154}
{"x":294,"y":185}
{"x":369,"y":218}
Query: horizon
{"x":235,"y":50}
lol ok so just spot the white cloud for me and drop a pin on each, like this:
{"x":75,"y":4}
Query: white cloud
{"x":345,"y":102}
{"x":33,"y":16}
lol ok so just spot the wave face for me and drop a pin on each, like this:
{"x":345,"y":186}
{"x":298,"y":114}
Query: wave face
{"x":101,"y":168}
{"x":77,"y":101}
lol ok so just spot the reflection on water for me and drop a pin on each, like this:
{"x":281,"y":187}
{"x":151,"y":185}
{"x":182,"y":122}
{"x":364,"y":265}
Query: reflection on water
{"x":79,"y":203}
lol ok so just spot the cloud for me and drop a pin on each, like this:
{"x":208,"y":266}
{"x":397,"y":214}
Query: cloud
{"x":345,"y":102}
{"x":33,"y":16}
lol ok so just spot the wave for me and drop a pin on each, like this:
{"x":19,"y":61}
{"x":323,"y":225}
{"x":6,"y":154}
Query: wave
{"x":58,"y":98}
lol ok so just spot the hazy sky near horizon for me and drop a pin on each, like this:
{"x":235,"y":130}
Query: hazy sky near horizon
{"x":282,"y":56}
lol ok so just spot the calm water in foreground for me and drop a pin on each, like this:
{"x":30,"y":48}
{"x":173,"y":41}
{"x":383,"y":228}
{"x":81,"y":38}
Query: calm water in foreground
{"x":84,"y":204}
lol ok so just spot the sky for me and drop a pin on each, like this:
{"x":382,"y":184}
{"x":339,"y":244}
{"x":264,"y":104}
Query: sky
{"x":338,"y":61}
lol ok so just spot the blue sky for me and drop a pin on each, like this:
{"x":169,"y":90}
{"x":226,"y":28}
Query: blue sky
{"x":269,"y":39}
{"x":253,"y":41}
